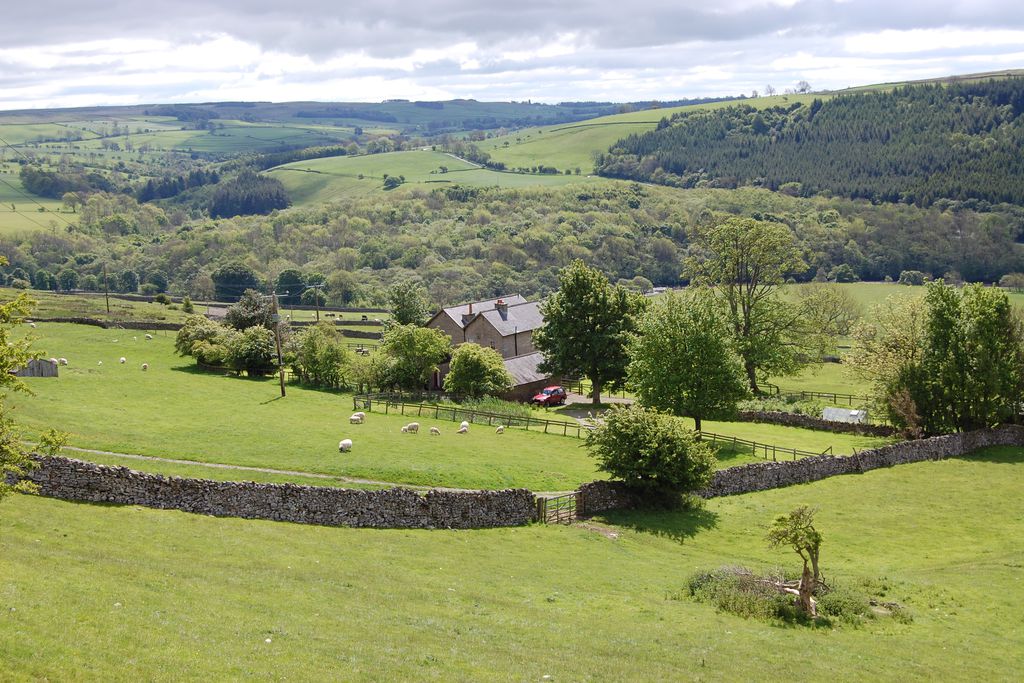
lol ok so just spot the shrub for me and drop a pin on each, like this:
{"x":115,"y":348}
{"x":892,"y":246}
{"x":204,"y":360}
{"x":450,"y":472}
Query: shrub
{"x":476,"y":371}
{"x":652,"y":453}
{"x":197,"y":328}
{"x":18,"y":283}
{"x":148,"y":289}
{"x":320,"y":356}
{"x":912,"y":277}
{"x":252,"y":310}
{"x":845,"y":604}
{"x":252,"y":350}
{"x":741,"y":592}
{"x":162,"y":299}
{"x":186,"y":305}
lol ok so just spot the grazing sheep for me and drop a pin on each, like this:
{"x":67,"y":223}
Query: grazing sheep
{"x":145,"y":366}
{"x":355,"y":420}
{"x":411,"y":428}
{"x":148,"y":337}
{"x":135,"y":339}
{"x":434,"y":431}
{"x":32,"y":325}
{"x":345,"y":445}
{"x":62,"y":361}
{"x":464,"y":425}
{"x":463,"y":430}
{"x":53,"y":360}
{"x":359,"y":414}
{"x":123,"y":360}
{"x":99,"y":363}
{"x":500,"y":429}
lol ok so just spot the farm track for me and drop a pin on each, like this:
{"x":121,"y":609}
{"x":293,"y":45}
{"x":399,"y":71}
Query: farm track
{"x":268,"y":470}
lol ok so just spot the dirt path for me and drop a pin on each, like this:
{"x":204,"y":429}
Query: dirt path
{"x":287,"y":473}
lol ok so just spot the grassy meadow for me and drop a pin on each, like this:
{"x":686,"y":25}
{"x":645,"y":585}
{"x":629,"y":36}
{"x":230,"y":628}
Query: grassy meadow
{"x":127,"y":593}
{"x":322,"y":180}
{"x":174,"y":410}
{"x":93,"y":305}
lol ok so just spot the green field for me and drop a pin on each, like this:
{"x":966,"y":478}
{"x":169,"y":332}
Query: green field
{"x":175,"y":411}
{"x":323,"y":180}
{"x":127,"y":593}
{"x":574,"y":145}
{"x":20,"y":210}
{"x":54,"y":305}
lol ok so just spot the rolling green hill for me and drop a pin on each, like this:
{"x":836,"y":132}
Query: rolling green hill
{"x":321,"y":180}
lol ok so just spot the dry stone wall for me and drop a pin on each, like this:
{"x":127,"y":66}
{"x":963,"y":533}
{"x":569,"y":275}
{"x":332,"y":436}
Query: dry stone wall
{"x":809,"y":422}
{"x":609,"y":495}
{"x":71,"y":479}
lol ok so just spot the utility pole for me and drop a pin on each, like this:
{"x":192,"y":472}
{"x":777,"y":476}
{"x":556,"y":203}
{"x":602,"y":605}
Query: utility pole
{"x":106,"y":288}
{"x":276,"y":319}
{"x":316,"y":298}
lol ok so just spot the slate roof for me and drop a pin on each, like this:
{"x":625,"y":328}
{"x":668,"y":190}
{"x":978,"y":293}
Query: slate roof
{"x":524,"y":369}
{"x":521,"y":317}
{"x":456,"y":312}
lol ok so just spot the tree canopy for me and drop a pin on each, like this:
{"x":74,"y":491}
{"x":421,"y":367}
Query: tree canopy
{"x":477,"y":371}
{"x":587,"y":324}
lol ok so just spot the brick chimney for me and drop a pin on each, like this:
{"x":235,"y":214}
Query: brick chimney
{"x":466,"y":317}
{"x":502,"y":308}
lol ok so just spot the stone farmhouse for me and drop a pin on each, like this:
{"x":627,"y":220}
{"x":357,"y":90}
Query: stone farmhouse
{"x":505,"y":324}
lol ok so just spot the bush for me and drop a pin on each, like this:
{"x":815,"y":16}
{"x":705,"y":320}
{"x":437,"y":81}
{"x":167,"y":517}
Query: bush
{"x":18,"y":283}
{"x":253,"y":350}
{"x":845,"y":604}
{"x":196,"y":329}
{"x":252,"y":310}
{"x":476,"y":371}
{"x":320,"y":356}
{"x":653,"y":453}
{"x":741,"y":592}
{"x":162,"y":299}
{"x":186,"y":305}
{"x":912,"y":277}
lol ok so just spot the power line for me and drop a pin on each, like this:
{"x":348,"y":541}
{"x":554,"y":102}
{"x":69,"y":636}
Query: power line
{"x":23,"y":192}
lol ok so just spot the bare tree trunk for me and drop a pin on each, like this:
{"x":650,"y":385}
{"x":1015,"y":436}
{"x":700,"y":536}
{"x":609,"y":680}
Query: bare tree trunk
{"x":807,"y":593}
{"x":752,"y":377}
{"x":596,"y":391}
{"x":696,"y":423}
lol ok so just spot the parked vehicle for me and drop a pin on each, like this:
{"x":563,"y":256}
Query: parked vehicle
{"x":550,"y":396}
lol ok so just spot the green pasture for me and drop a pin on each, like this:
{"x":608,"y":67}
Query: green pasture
{"x":174,"y":410}
{"x":323,"y":180}
{"x":93,"y":305}
{"x":572,"y":145}
{"x":127,"y":593}
{"x":20,"y":210}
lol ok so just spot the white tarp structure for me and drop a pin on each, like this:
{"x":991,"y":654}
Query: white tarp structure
{"x":845,"y":415}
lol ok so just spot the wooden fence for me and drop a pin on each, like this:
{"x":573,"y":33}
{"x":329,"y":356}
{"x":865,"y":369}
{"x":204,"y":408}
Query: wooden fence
{"x":455,"y":413}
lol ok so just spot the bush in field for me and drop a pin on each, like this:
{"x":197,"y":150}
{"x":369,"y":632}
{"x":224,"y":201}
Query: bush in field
{"x":196,"y":329}
{"x":67,"y":280}
{"x":912,"y":277}
{"x":321,"y":357}
{"x":186,"y":305}
{"x":1013,"y":281}
{"x":476,"y":371}
{"x":252,"y":350}
{"x":652,"y":453}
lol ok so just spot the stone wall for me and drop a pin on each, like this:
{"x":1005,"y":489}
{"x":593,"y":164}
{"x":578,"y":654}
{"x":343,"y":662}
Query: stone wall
{"x":604,"y":495}
{"x":71,"y":479}
{"x":114,"y":324}
{"x":809,"y":422}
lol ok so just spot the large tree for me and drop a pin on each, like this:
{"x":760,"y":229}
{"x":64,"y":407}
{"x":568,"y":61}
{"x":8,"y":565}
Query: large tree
{"x":290,"y":286}
{"x":476,"y":371}
{"x":408,"y":303}
{"x":415,"y":353}
{"x":745,"y":261}
{"x":232,"y":279}
{"x":587,"y":324}
{"x":251,"y":310}
{"x":682,"y":359}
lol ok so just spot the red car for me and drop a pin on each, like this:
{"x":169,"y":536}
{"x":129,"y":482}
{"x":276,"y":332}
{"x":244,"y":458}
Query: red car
{"x":550,"y":396}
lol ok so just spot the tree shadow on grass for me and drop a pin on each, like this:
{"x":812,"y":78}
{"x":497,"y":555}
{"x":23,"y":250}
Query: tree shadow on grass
{"x":1003,"y":455}
{"x":677,"y":525}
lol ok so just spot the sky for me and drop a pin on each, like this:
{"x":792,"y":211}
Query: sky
{"x":69,"y":53}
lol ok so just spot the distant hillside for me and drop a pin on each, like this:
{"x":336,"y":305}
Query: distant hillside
{"x":917,"y":143}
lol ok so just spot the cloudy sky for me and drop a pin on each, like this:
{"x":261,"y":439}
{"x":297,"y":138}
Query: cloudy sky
{"x":72,"y":53}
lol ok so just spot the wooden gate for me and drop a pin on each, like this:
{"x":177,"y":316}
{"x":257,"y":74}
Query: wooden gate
{"x":557,"y":509}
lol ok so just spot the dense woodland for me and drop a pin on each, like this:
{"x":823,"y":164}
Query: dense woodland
{"x":467,"y":242}
{"x":916,"y":144}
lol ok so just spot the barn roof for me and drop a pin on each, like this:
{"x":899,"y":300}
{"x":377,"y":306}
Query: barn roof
{"x":521,"y":317}
{"x":524,"y":369}
{"x":457,"y":313}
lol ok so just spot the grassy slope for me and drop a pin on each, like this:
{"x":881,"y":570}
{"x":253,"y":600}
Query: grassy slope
{"x":124,"y":593}
{"x":53,"y":305}
{"x":25,"y":215}
{"x":574,"y":145}
{"x":174,"y":411}
{"x":321,"y":180}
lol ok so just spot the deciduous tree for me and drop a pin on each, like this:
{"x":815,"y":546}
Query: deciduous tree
{"x":796,"y":530}
{"x":682,"y":359}
{"x":415,"y":353}
{"x":476,"y":371}
{"x":587,"y":324}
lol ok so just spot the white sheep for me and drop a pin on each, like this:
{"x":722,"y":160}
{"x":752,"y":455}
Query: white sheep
{"x":123,"y":360}
{"x":411,"y":428}
{"x":355,"y":420}
{"x":345,"y":445}
{"x":500,"y":429}
{"x":464,"y":425}
{"x":148,"y":337}
{"x":359,"y":414}
{"x":62,"y":361}
{"x":53,"y":360}
{"x":99,"y":362}
{"x":145,"y":366}
{"x":32,"y":325}
{"x":463,"y":430}
{"x":135,"y":339}
{"x":434,"y":431}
